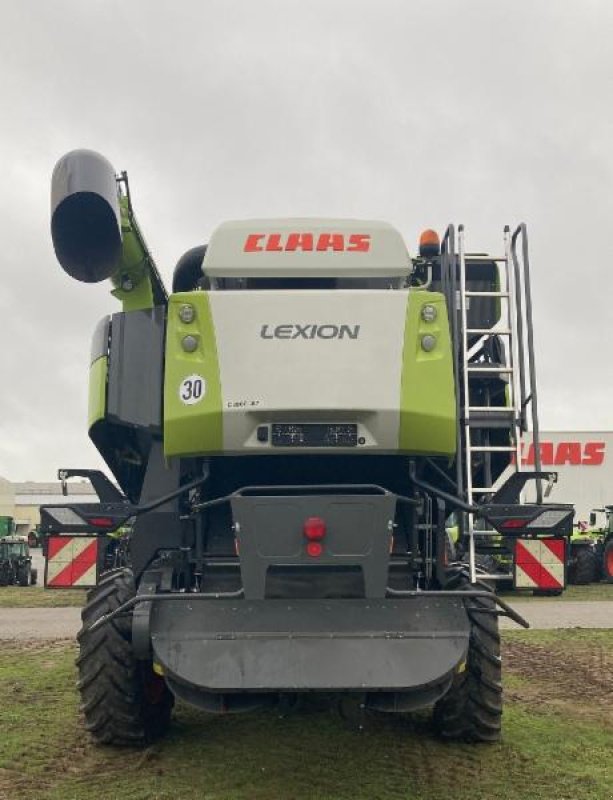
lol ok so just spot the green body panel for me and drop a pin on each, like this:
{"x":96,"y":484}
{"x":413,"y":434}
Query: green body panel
{"x":134,"y":268}
{"x":7,"y":526}
{"x":427,"y":393}
{"x":98,"y":373}
{"x":198,"y":428}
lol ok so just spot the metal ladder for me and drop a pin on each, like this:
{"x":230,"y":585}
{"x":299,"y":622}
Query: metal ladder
{"x":514,"y":320}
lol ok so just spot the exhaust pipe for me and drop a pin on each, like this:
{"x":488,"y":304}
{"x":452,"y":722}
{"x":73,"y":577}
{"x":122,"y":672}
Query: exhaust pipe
{"x":85,"y":218}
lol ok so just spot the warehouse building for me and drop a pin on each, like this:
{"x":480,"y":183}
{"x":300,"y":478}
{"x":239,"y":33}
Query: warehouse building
{"x":584,"y":463}
{"x":29,"y":495}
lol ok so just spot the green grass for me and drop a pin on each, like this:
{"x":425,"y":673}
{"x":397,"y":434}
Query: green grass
{"x":594,"y":591}
{"x":552,"y":749}
{"x":36,"y":597}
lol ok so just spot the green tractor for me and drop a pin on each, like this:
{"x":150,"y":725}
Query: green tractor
{"x":16,"y":562}
{"x":289,"y":430}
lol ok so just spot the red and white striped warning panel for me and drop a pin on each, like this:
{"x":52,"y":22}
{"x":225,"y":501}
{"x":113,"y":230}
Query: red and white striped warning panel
{"x":71,"y":561}
{"x":539,"y":563}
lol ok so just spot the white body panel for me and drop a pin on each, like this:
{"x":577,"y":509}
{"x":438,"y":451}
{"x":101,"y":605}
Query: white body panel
{"x":271,"y":373}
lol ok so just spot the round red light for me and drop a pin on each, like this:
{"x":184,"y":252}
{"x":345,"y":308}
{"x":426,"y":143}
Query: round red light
{"x":314,"y":529}
{"x":314,"y":549}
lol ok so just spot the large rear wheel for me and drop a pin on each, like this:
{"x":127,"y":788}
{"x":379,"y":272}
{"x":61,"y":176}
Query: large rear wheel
{"x":123,"y":701}
{"x":472,"y":708}
{"x":585,"y":567}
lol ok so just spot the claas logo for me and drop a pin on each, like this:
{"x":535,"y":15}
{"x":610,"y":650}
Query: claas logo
{"x":562,"y":453}
{"x":307,"y":242}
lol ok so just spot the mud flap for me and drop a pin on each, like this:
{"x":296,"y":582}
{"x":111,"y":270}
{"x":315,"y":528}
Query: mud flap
{"x":386,"y":645}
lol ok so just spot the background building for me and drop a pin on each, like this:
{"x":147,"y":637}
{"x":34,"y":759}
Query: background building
{"x":28,"y":496}
{"x":7,"y":498}
{"x":584,"y":463}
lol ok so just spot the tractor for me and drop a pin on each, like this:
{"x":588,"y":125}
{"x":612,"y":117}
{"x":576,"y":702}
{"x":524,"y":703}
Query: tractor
{"x":288,"y":431}
{"x":16,"y":562}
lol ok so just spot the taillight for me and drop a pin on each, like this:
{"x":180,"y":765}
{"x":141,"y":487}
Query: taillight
{"x":314,"y":549}
{"x":514,"y":523}
{"x":314,"y":529}
{"x":102,"y":522}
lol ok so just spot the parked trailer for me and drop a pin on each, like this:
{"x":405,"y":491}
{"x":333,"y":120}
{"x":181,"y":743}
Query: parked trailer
{"x":290,"y":430}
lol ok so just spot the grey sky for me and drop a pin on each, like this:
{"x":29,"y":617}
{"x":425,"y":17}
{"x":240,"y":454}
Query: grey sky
{"x":417,"y":113}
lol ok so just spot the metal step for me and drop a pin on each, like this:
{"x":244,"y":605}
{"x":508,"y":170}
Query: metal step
{"x":491,"y":449}
{"x":491,"y":370}
{"x":472,"y":293}
{"x":493,"y":331}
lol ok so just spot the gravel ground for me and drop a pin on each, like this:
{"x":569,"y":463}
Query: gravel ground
{"x":63,"y":623}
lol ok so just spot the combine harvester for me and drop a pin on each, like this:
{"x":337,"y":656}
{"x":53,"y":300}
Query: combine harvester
{"x":290,"y":429}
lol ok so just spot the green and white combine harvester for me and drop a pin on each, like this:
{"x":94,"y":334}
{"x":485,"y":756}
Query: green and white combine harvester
{"x":290,"y":429}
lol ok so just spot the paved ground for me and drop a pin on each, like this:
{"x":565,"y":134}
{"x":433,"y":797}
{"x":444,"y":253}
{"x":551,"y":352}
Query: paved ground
{"x":63,"y":623}
{"x":563,"y":614}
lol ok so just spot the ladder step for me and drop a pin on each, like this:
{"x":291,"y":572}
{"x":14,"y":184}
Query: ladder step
{"x":493,"y":331}
{"x":491,"y":410}
{"x":491,"y":449}
{"x":469,"y":257}
{"x":484,"y":490}
{"x":472,"y":293}
{"x":487,"y":422}
{"x":492,"y":370}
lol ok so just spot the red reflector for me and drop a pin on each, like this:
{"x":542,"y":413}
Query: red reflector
{"x":514,"y":523}
{"x":102,"y":522}
{"x":314,"y":549}
{"x":314,"y":529}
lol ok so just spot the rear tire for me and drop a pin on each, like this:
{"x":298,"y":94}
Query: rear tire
{"x":472,"y":708}
{"x":23,"y":576}
{"x":123,"y":701}
{"x":585,"y":568}
{"x":607,"y":562}
{"x":33,"y":577}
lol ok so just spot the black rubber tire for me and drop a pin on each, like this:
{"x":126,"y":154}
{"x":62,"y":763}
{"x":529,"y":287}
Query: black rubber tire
{"x":123,"y":701}
{"x":23,"y":576}
{"x":33,"y":576}
{"x":607,"y":562}
{"x":472,"y":708}
{"x":585,"y":568}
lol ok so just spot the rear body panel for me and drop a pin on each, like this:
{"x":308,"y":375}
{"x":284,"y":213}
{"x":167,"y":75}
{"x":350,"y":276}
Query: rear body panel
{"x":333,"y":357}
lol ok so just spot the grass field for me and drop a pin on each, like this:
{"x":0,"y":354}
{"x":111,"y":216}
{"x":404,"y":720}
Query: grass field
{"x":593,"y":591}
{"x":36,"y":597}
{"x":558,"y":739}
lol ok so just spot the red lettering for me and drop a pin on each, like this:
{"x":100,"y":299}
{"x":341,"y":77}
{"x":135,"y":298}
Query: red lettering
{"x":334,"y":241}
{"x":274,"y":243}
{"x":252,"y":243}
{"x":359,"y":242}
{"x":593,"y":453}
{"x":299,"y":241}
{"x":546,"y":449}
{"x":568,"y":453}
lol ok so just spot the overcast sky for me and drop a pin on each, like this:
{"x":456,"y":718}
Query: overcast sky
{"x":417,"y":113}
